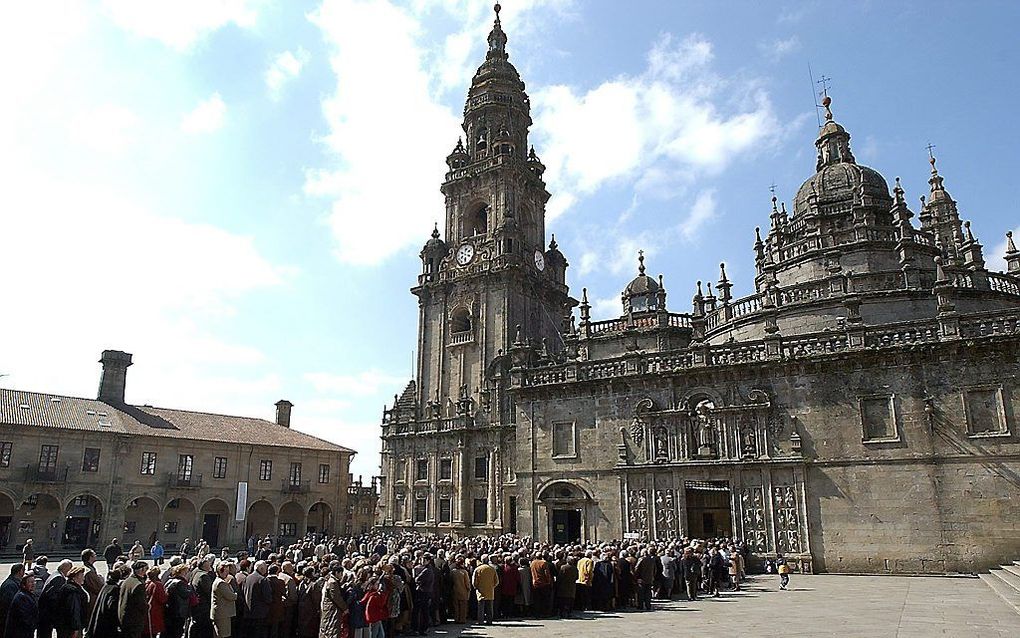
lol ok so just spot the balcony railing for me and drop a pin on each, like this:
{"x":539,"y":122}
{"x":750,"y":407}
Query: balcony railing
{"x":36,"y":474}
{"x":190,"y":482}
{"x":296,"y":487}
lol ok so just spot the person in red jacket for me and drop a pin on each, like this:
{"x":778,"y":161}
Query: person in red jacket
{"x":376,"y":601}
{"x":156,"y":595}
{"x":509,"y":583}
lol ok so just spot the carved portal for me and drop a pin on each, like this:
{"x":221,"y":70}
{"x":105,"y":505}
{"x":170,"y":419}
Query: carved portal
{"x":638,"y":501}
{"x":752,"y":505}
{"x":787,"y":526}
{"x":665,"y":514}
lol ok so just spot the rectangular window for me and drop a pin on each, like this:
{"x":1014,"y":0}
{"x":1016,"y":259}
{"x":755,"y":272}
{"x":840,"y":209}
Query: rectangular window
{"x":481,"y":468}
{"x":185,"y":463}
{"x":421,"y":510}
{"x":985,"y":412}
{"x":563,"y":439}
{"x":401,"y":470}
{"x":219,"y":468}
{"x":48,"y":459}
{"x":294,"y":476}
{"x":481,"y":511}
{"x":398,"y":509}
{"x":288,"y":529}
{"x":170,"y":527}
{"x":445,"y":469}
{"x":324,"y":472}
{"x":422,"y":470}
{"x":878,"y":420}
{"x":265,"y":470}
{"x":90,"y":460}
{"x":148,"y":462}
{"x":5,"y":453}
{"x":445,"y":510}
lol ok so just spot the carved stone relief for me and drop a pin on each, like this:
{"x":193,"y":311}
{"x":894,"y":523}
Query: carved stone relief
{"x":787,"y":526}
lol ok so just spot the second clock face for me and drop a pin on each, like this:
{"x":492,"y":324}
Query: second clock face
{"x":465,"y":254}
{"x":539,"y":260}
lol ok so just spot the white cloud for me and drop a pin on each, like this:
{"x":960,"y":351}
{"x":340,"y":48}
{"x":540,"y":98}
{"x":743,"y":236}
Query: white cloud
{"x":660,"y":129}
{"x":181,"y":23}
{"x":780,"y":47}
{"x":285,"y":67}
{"x":207,"y":117}
{"x":108,"y":128}
{"x":367,"y":383}
{"x":702,"y":212}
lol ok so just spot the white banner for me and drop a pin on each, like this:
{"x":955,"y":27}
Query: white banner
{"x":242,"y":501}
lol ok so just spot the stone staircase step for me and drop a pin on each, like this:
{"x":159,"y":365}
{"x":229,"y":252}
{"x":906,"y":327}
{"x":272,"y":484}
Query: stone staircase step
{"x":1005,"y":591}
{"x":1012,"y":569}
{"x":1009,"y":577}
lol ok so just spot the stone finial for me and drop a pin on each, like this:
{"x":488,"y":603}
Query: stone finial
{"x":1012,"y":255}
{"x":967,"y":231}
{"x":940,"y":271}
{"x":641,"y":262}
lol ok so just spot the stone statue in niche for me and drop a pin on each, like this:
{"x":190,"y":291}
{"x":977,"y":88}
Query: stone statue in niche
{"x":637,"y":431}
{"x":660,"y":444}
{"x":705,"y":425}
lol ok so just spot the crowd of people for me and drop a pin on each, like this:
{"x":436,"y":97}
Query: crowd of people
{"x":371,"y":586}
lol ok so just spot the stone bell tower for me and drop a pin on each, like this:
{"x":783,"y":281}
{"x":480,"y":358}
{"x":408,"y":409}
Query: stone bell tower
{"x":490,"y":283}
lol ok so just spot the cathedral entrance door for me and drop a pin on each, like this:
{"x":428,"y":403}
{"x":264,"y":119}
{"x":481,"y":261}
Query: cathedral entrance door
{"x":566,"y":526}
{"x":708,"y":509}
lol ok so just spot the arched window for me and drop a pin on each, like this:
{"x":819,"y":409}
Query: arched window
{"x":479,"y":221}
{"x":483,"y":140}
{"x":460,"y":321}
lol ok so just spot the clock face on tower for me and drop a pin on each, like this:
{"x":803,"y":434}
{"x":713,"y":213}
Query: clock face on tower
{"x":539,"y":260}
{"x":465,"y":254}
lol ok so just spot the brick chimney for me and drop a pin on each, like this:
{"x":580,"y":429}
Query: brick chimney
{"x":283,"y":407}
{"x":114,"y":379}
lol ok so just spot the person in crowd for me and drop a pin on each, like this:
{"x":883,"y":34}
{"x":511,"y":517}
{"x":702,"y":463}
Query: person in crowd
{"x":258,"y":594}
{"x":157,"y":552}
{"x":41,"y":573}
{"x":509,"y":585}
{"x":541,"y":585}
{"x":279,"y":591}
{"x":460,"y":590}
{"x":28,"y":554}
{"x":71,"y":605}
{"x":308,"y":604}
{"x":645,"y":576}
{"x":585,"y":571}
{"x":179,"y":594}
{"x":736,"y":568}
{"x":133,"y":606}
{"x":23,"y":614}
{"x":333,"y":604}
{"x":202,"y":583}
{"x":185,"y":548}
{"x":103,"y":620}
{"x":224,"y":601}
{"x":783,"y":568}
{"x":376,"y":604}
{"x":668,"y":577}
{"x":49,"y":595}
{"x":155,"y":594}
{"x":8,"y":590}
{"x":112,"y":553}
{"x":690,"y":570}
{"x":93,"y":581}
{"x":566,"y":584}
{"x":485,"y":580}
{"x":603,"y":584}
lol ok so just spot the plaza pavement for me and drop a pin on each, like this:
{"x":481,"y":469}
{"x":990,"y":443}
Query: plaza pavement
{"x":817,"y":605}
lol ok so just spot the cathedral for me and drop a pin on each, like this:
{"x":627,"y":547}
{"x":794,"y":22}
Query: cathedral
{"x":854,"y":413}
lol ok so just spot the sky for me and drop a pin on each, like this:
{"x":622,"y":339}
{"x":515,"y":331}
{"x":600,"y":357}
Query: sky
{"x":236,"y":191}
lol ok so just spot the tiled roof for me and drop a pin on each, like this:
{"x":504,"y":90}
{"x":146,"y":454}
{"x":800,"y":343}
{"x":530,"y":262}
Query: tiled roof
{"x":48,"y":410}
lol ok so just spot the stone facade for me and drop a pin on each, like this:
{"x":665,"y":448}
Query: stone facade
{"x":856,"y":412}
{"x":75,"y":472}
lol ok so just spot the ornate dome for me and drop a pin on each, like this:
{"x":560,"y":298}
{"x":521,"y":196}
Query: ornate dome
{"x":435,"y":246}
{"x":840,"y":182}
{"x":642,"y":293}
{"x":839,"y":177}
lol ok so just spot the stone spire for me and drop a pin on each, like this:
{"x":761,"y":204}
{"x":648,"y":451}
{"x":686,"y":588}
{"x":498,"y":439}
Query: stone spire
{"x":497,"y":38}
{"x":941,"y":218}
{"x":1012,"y":255}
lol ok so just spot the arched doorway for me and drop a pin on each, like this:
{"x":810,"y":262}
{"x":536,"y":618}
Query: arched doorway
{"x":292,"y":521}
{"x":320,"y":518}
{"x":566,"y":508}
{"x":215,"y":516}
{"x":178,"y":523}
{"x":7,"y":512}
{"x":38,"y":518}
{"x":260,"y":519}
{"x":83,"y":518}
{"x":141,"y":521}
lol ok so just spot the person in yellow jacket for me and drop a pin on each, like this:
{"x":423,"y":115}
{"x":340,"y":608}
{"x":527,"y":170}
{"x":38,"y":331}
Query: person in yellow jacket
{"x":485,"y":581}
{"x":585,"y":570}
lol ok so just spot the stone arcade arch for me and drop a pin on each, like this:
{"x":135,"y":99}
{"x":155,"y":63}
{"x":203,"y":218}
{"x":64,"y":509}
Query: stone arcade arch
{"x":142,"y":521}
{"x":566,"y":512}
{"x":178,"y":523}
{"x":38,"y":517}
{"x":261,"y":519}
{"x":83,"y":520}
{"x":320,"y":518}
{"x":214,"y":518}
{"x":292,"y":520}
{"x":7,"y":523}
